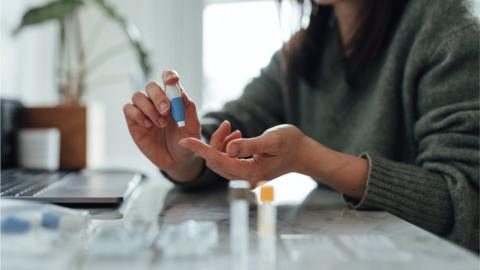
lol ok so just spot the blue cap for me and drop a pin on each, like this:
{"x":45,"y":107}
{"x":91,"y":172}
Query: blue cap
{"x":15,"y":225}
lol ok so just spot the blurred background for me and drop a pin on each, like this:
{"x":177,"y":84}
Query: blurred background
{"x":217,"y":46}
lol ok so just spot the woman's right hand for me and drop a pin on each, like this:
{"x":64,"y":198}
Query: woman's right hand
{"x":157,"y":135}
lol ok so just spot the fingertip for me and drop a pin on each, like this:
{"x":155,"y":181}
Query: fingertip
{"x":170,"y":76}
{"x":227,"y":123}
{"x":237,"y":134}
{"x":225,"y":126}
{"x":183,"y":142}
{"x":232,"y":136}
{"x":164,"y":107}
{"x":186,"y":97}
{"x":186,"y":142}
{"x":233,"y":149}
{"x":147,"y":123}
{"x":151,"y":85}
{"x":126,"y":107}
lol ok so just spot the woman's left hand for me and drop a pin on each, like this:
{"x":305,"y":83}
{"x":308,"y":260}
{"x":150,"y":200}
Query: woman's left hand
{"x":280,"y":150}
{"x":277,"y":151}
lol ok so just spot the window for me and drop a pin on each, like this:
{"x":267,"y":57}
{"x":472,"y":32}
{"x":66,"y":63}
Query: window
{"x":239,"y":38}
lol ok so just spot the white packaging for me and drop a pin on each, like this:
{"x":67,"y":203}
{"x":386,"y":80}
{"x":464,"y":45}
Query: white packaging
{"x":39,"y":148}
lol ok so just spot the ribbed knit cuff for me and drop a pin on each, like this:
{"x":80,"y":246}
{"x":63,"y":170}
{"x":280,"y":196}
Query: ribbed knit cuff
{"x":363,"y":203}
{"x":407,"y":191}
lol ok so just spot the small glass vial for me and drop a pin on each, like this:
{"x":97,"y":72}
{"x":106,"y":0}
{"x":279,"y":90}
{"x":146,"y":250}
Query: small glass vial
{"x":267,"y":223}
{"x":238,"y":194}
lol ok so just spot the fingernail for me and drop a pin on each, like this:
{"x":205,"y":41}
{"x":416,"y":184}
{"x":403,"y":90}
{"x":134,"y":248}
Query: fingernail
{"x":147,"y":123}
{"x":163,"y":107}
{"x":171,"y":77}
{"x":234,"y":150}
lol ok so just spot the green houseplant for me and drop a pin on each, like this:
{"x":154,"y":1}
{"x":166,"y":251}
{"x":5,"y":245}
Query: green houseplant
{"x":72,"y":118}
{"x":73,"y":68}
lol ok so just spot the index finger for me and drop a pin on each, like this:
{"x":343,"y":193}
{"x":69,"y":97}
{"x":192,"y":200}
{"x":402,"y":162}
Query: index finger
{"x":158,"y":97}
{"x":200,"y":148}
{"x":239,"y":167}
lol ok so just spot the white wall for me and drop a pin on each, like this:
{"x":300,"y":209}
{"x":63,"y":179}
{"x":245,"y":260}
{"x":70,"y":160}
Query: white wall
{"x":476,"y":7}
{"x":171,"y":30}
{"x":26,"y":70}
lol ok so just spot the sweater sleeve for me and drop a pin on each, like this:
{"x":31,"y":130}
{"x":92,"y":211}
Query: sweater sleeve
{"x":440,"y":191}
{"x":260,"y":107}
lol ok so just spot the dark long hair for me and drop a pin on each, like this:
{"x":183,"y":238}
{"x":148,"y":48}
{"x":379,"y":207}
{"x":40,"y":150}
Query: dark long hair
{"x":376,"y":22}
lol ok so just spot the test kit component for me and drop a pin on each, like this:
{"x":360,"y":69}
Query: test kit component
{"x":239,"y":191}
{"x":174,"y":94}
{"x":20,"y":217}
{"x":266,"y":212}
{"x":267,"y":223}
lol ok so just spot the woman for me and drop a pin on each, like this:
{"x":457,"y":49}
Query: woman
{"x":376,"y":99}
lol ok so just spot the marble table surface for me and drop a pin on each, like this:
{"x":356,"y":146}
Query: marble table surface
{"x":315,"y":230}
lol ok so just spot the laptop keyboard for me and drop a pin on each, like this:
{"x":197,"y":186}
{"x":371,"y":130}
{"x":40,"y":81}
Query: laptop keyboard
{"x":16,"y":183}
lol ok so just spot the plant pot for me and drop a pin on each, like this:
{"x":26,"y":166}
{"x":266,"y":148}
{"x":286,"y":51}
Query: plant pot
{"x":80,"y":132}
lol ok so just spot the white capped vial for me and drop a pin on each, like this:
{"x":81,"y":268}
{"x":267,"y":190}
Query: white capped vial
{"x":238,"y":194}
{"x":267,"y":223}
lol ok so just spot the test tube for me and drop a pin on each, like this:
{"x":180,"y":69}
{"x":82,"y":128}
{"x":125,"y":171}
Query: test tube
{"x":267,"y":223}
{"x":238,"y":193}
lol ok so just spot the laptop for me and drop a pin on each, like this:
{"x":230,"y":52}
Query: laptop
{"x":89,"y":187}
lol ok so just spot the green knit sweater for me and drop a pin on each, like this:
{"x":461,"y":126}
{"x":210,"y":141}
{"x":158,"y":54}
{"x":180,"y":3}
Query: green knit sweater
{"x":414,"y":116}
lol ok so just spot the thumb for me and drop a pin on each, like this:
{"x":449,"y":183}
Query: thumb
{"x":191,"y":117}
{"x":249,"y":147}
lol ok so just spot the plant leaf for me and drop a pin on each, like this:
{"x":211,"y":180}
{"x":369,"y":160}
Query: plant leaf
{"x":56,"y":10}
{"x":132,"y":33}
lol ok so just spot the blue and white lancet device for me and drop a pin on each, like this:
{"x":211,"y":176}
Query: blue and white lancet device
{"x":177,"y":108}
